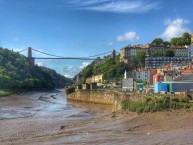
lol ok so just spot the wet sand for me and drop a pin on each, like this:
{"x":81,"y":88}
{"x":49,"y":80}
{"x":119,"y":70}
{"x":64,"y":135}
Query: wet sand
{"x":89,"y":124}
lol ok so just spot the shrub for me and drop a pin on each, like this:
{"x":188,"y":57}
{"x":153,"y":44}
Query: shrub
{"x":157,"y":103}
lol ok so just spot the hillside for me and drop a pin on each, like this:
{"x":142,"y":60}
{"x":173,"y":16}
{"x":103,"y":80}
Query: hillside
{"x":16,"y":73}
{"x":109,"y":67}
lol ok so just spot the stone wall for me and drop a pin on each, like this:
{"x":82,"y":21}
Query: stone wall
{"x":108,"y":97}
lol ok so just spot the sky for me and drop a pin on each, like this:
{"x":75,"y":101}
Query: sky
{"x":83,"y":28}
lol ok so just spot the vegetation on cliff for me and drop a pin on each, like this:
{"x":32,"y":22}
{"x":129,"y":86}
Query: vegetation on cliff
{"x":16,"y":73}
{"x":109,"y":67}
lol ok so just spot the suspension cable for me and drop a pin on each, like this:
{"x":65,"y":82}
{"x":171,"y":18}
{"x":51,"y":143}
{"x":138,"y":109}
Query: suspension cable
{"x":22,"y":50}
{"x":100,"y":54}
{"x":45,"y":53}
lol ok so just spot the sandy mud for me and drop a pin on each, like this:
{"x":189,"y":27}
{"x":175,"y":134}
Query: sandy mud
{"x":47,"y":119}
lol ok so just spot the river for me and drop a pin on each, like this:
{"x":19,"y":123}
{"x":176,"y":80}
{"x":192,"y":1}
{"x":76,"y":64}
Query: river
{"x":33,"y":114}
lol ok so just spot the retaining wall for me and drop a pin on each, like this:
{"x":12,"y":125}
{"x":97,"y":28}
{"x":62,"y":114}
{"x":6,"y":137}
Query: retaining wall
{"x":108,"y":97}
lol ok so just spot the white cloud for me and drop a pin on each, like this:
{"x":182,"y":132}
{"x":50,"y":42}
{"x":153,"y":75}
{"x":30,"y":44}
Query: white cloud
{"x":120,"y":6}
{"x":129,"y":36}
{"x":71,"y":71}
{"x":83,"y":65}
{"x":68,"y":75}
{"x":175,"y":28}
{"x":40,"y":63}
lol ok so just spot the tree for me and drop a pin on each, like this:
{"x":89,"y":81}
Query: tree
{"x":180,"y":41}
{"x":16,"y":73}
{"x":169,"y":53}
{"x":186,"y":38}
{"x":174,"y":41}
{"x":156,"y":54}
{"x":157,"y":41}
{"x":166,"y":43}
{"x":139,"y":59}
{"x":144,"y":82}
{"x":88,"y":71}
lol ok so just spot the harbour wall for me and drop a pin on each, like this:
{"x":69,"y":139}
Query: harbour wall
{"x":108,"y":97}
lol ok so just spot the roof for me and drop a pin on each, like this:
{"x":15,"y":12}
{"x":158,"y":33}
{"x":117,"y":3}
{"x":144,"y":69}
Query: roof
{"x":186,"y":71}
{"x":184,"y":78}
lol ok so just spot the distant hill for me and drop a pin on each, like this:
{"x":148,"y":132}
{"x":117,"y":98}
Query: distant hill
{"x":16,"y":73}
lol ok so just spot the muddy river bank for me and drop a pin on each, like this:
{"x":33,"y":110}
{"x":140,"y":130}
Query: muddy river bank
{"x":46,"y":118}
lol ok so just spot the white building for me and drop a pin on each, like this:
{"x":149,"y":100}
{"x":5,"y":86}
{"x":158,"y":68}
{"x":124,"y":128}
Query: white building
{"x":190,"y":51}
{"x":143,"y":75}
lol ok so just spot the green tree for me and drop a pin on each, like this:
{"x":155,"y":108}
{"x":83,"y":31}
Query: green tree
{"x":156,"y":54}
{"x":180,"y":41}
{"x":166,"y":44}
{"x":139,"y":59}
{"x":174,"y":41}
{"x":88,"y":71}
{"x":157,"y":41}
{"x":169,"y":53}
{"x":186,"y":38}
{"x":16,"y":73}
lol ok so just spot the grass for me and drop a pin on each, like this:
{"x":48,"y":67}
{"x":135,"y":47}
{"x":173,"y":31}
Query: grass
{"x":5,"y":93}
{"x":157,"y":103}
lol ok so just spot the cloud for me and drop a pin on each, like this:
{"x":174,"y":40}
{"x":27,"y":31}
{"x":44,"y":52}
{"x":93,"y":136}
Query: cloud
{"x":118,"y":6}
{"x":83,"y":65}
{"x":40,"y":63}
{"x":68,"y":75}
{"x":174,"y":28}
{"x":129,"y":36}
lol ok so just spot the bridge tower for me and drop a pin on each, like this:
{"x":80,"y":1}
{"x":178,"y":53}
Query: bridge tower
{"x":30,"y":58}
{"x":113,"y":55}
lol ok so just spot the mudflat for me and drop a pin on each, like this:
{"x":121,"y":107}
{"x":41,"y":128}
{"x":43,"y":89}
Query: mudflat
{"x":46,"y":119}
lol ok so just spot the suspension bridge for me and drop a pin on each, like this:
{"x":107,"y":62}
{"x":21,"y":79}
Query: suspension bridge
{"x":52,"y":56}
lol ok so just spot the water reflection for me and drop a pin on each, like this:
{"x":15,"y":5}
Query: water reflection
{"x":44,"y":103}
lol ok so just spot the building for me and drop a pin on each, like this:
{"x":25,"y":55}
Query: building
{"x":190,"y":48}
{"x":126,"y":53}
{"x":184,"y":78}
{"x":128,"y":84}
{"x":160,"y":62}
{"x":156,"y":49}
{"x":95,"y":79}
{"x":158,"y":78}
{"x":143,"y":75}
{"x":152,"y":73}
{"x":192,"y":39}
{"x":179,"y":51}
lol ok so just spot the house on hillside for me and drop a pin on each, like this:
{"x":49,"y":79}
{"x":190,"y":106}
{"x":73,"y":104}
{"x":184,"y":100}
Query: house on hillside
{"x":97,"y":78}
{"x":142,"y":75}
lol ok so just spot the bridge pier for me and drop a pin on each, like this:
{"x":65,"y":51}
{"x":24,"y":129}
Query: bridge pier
{"x":30,"y":58}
